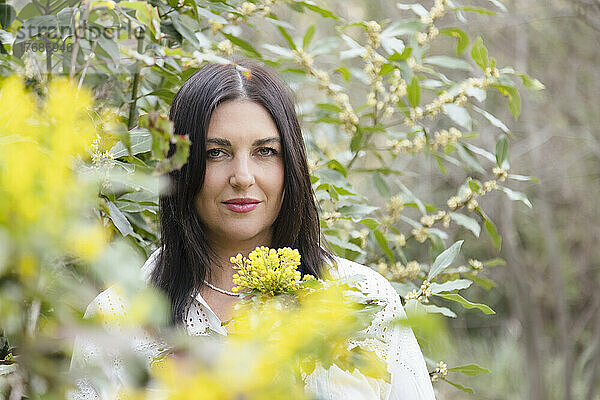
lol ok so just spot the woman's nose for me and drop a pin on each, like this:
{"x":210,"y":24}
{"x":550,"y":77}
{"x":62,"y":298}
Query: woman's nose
{"x":242,"y":175}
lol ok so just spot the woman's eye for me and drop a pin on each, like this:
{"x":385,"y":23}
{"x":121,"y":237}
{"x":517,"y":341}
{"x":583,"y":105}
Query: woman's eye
{"x":213,"y":153}
{"x":267,"y":151}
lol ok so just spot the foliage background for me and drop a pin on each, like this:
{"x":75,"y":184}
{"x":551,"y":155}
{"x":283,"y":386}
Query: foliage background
{"x":542,"y":343}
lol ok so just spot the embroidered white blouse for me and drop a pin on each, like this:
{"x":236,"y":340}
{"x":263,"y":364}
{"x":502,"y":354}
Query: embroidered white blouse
{"x":398,"y":346}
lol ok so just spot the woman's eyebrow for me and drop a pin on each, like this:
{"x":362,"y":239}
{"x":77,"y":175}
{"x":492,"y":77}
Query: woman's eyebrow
{"x":258,"y":142}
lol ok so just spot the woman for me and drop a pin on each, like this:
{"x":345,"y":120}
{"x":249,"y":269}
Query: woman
{"x":247,"y":184}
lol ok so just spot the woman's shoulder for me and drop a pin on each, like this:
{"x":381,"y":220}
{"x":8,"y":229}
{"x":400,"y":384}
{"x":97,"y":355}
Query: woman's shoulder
{"x":110,"y":304}
{"x":370,"y":281}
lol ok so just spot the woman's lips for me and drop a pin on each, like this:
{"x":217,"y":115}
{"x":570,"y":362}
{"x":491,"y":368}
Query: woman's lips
{"x":241,"y":208}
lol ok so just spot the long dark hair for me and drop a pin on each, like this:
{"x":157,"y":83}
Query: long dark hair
{"x":186,"y":255}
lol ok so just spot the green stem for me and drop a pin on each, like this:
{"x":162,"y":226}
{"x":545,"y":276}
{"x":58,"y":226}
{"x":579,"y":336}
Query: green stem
{"x":134,"y":89}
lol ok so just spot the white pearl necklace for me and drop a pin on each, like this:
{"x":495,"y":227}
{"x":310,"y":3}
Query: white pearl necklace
{"x":227,"y":292}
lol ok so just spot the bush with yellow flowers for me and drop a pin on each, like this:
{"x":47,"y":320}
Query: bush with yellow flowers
{"x":274,"y":343}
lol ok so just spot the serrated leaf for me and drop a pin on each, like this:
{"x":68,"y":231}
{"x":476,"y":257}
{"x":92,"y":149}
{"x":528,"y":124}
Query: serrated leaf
{"x":467,"y":222}
{"x":444,"y":260}
{"x":450,"y":286}
{"x":414,"y":92}
{"x":466,"y":303}
{"x":463,"y":39}
{"x":470,"y":370}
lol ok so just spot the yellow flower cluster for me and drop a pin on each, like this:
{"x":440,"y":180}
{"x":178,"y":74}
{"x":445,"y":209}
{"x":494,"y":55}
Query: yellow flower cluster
{"x":268,"y":271}
{"x":39,"y":190}
{"x":271,"y":348}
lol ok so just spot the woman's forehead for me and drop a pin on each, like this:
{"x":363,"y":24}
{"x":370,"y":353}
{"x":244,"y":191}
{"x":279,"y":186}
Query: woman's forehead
{"x":245,"y":120}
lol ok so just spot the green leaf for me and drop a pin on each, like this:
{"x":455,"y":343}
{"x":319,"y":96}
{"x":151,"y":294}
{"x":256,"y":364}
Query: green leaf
{"x":459,"y":386}
{"x":35,"y":26}
{"x":490,"y":227}
{"x":493,"y":120}
{"x":444,"y":260}
{"x":463,"y":39}
{"x":381,"y":186}
{"x":466,"y":155}
{"x":450,"y":286}
{"x":467,"y":222}
{"x":440,"y":310}
{"x":516,"y":196}
{"x":120,"y":221}
{"x":313,"y":7}
{"x":287,"y":37}
{"x":370,"y":223}
{"x":356,"y":142}
{"x":514,"y":99}
{"x":329,"y":107}
{"x":465,"y":303}
{"x":494,"y":262}
{"x":531,"y":83}
{"x":479,"y":53}
{"x":335,"y":165}
{"x":345,"y":73}
{"x":523,"y":178}
{"x":381,"y":240}
{"x":181,"y":24}
{"x":502,"y":151}
{"x":478,"y":10}
{"x":470,"y":370}
{"x":448,"y":62}
{"x":7,"y":15}
{"x":414,"y":92}
{"x":483,"y":282}
{"x":341,"y":247}
{"x":140,"y":142}
{"x":458,"y":114}
{"x":356,"y":211}
{"x":310,"y":32}
{"x":242,"y":44}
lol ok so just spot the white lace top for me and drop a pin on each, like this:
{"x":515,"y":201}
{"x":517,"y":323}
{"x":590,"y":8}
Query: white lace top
{"x":398,"y":346}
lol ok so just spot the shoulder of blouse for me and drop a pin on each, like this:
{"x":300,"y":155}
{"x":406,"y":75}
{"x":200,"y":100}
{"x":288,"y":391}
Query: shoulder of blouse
{"x":371,"y":281}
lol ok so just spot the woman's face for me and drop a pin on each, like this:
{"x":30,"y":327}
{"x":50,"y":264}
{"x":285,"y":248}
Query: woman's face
{"x":242,"y":191}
